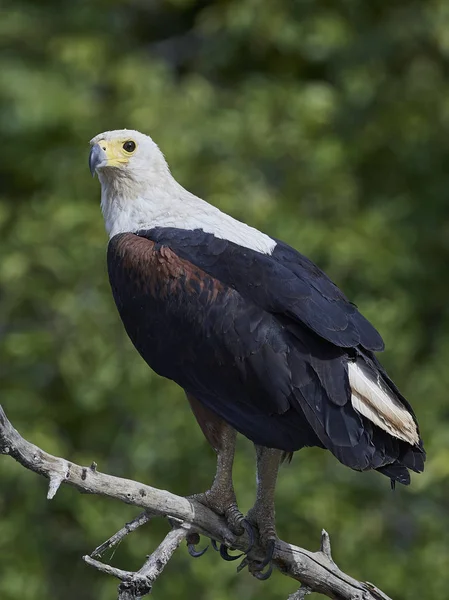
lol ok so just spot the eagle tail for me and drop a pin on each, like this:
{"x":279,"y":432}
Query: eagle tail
{"x":372,"y":398}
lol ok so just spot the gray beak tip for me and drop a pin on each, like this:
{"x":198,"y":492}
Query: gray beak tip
{"x":96,"y":156}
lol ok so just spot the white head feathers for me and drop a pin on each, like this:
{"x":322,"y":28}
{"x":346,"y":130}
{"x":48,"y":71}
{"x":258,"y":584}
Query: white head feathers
{"x":138,"y":192}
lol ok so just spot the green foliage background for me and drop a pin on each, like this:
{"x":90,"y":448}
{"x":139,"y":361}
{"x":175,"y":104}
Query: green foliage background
{"x":322,"y":123}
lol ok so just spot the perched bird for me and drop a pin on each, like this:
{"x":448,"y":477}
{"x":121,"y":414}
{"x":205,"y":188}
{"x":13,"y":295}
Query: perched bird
{"x":260,"y":339}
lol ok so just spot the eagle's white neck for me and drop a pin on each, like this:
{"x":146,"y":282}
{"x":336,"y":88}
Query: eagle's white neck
{"x":128,"y":206}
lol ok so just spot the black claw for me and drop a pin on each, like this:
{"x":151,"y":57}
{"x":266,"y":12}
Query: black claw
{"x":196,"y":553}
{"x":269,"y":557}
{"x":225,"y":556}
{"x":214,"y":545}
{"x":250,"y":531}
{"x":263,"y":576}
{"x":192,"y":540}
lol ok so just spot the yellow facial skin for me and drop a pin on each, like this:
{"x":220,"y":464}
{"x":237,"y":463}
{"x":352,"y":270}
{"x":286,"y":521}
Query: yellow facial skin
{"x":116,"y":154}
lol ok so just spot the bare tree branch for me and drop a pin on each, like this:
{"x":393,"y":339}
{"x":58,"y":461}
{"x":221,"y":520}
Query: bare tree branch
{"x":136,"y":585}
{"x":119,"y":573}
{"x":315,"y":570}
{"x":300,"y":594}
{"x":122,"y":533}
{"x":142,"y":581}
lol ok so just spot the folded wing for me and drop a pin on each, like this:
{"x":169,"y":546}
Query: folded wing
{"x":285,"y":283}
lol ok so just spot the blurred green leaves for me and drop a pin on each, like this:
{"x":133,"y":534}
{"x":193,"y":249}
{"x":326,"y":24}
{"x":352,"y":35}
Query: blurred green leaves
{"x":325,"y":125}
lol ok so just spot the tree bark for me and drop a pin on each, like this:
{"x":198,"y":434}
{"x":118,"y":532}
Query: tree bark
{"x":315,"y":570}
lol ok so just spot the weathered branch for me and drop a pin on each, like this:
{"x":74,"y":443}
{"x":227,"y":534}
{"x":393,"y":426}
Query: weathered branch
{"x":315,"y":570}
{"x":122,"y":533}
{"x":142,"y":581}
{"x":136,"y":585}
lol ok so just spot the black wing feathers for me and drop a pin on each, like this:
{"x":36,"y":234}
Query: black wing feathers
{"x":285,"y":282}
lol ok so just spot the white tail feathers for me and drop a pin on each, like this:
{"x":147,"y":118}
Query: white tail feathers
{"x":372,"y":399}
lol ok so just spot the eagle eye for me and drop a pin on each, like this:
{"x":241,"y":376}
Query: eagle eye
{"x":129,"y":146}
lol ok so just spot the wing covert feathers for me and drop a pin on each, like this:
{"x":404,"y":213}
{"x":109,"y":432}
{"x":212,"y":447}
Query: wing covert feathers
{"x":372,"y":399}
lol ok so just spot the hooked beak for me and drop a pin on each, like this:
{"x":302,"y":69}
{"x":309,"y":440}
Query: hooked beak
{"x":97,"y":158}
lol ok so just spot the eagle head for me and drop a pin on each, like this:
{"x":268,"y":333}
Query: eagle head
{"x":134,"y":176}
{"x":125,"y":154}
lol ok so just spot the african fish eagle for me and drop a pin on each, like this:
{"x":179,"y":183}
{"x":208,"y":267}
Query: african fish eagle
{"x":260,"y":339}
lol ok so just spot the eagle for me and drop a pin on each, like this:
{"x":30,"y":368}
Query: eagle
{"x":261,"y":340}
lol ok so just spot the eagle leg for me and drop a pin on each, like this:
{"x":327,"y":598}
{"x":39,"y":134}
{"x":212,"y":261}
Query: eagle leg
{"x":262,"y":514}
{"x":221,"y":496}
